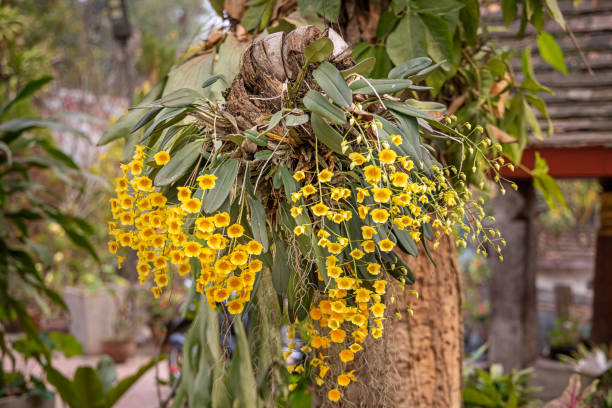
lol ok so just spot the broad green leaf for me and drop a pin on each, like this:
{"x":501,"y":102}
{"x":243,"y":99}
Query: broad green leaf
{"x":326,"y":134}
{"x":115,"y":393}
{"x":406,"y":109}
{"x":360,"y":68}
{"x":555,"y":12}
{"x":226,"y":173}
{"x":88,"y":387}
{"x":407,"y":41}
{"x":439,"y":38}
{"x":191,"y":74}
{"x":122,"y":127}
{"x":470,"y":17}
{"x":532,"y":121}
{"x":551,"y":52}
{"x":546,"y":184}
{"x":318,"y":50}
{"x":333,"y":84}
{"x":57,"y":154}
{"x":178,"y":99}
{"x":295,"y":120}
{"x":212,"y":79}
{"x":258,"y":222}
{"x":381,"y":86}
{"x":254,"y":14}
{"x":317,"y":103}
{"x":509,"y":9}
{"x":409,"y":68}
{"x":424,"y":72}
{"x":66,"y":343}
{"x":478,"y":398}
{"x":107,"y":371}
{"x":180,"y":163}
{"x":438,"y":7}
{"x":289,"y":183}
{"x":406,"y":242}
{"x":263,"y":154}
{"x":426,"y":105}
{"x":146,"y":118}
{"x":280,"y":267}
{"x":328,"y":9}
{"x":386,"y":24}
{"x":25,"y":92}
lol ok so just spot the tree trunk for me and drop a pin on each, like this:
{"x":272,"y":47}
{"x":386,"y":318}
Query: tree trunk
{"x":418,"y":361}
{"x":426,"y":349}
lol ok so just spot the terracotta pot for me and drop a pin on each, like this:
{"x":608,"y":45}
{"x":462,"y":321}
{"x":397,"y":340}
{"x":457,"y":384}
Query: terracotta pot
{"x":119,"y":350}
{"x":26,"y":401}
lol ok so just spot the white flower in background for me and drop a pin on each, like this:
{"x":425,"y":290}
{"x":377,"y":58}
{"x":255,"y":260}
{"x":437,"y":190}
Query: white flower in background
{"x":593,"y":364}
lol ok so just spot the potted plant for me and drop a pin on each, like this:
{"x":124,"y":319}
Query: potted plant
{"x":563,"y":337}
{"x":122,"y":345}
{"x":19,"y":390}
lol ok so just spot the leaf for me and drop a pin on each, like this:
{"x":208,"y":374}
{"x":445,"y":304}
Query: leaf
{"x":318,"y":50}
{"x":406,"y":109}
{"x":386,"y":23}
{"x":107,"y":371}
{"x":62,"y":384}
{"x":115,"y":393}
{"x":66,"y":343}
{"x":179,"y":164}
{"x":328,"y":9}
{"x":509,"y":9}
{"x":317,"y":103}
{"x":381,"y":86}
{"x":226,"y":173}
{"x":146,"y":118}
{"x":409,"y":68}
{"x":122,"y":127}
{"x":240,"y":377}
{"x":177,"y":99}
{"x":470,"y":17}
{"x":88,"y":387}
{"x":280,"y":267}
{"x":212,"y":79}
{"x":295,"y":120}
{"x":406,"y":242}
{"x":253,"y":15}
{"x":438,"y":37}
{"x":333,"y":84}
{"x":360,"y":68}
{"x":476,"y":397}
{"x":29,"y":89}
{"x":263,"y":154}
{"x":326,"y":134}
{"x":407,"y":41}
{"x":555,"y":12}
{"x":532,"y":121}
{"x":258,"y":222}
{"x":546,"y":184}
{"x":57,"y":154}
{"x":551,"y":52}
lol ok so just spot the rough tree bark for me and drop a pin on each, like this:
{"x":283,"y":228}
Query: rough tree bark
{"x":422,"y":354}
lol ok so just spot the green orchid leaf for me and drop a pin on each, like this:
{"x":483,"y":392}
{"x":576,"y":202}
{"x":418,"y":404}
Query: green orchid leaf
{"x":333,"y":84}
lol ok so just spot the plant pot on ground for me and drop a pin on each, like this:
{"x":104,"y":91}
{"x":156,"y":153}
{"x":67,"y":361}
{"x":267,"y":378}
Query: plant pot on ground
{"x":119,"y":350}
{"x":122,"y":344}
{"x":563,"y":338}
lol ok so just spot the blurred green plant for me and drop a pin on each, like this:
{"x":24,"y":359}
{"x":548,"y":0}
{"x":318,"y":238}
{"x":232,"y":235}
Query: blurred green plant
{"x":94,"y":387}
{"x":565,"y":333}
{"x":494,"y":389}
{"x":28,"y":158}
